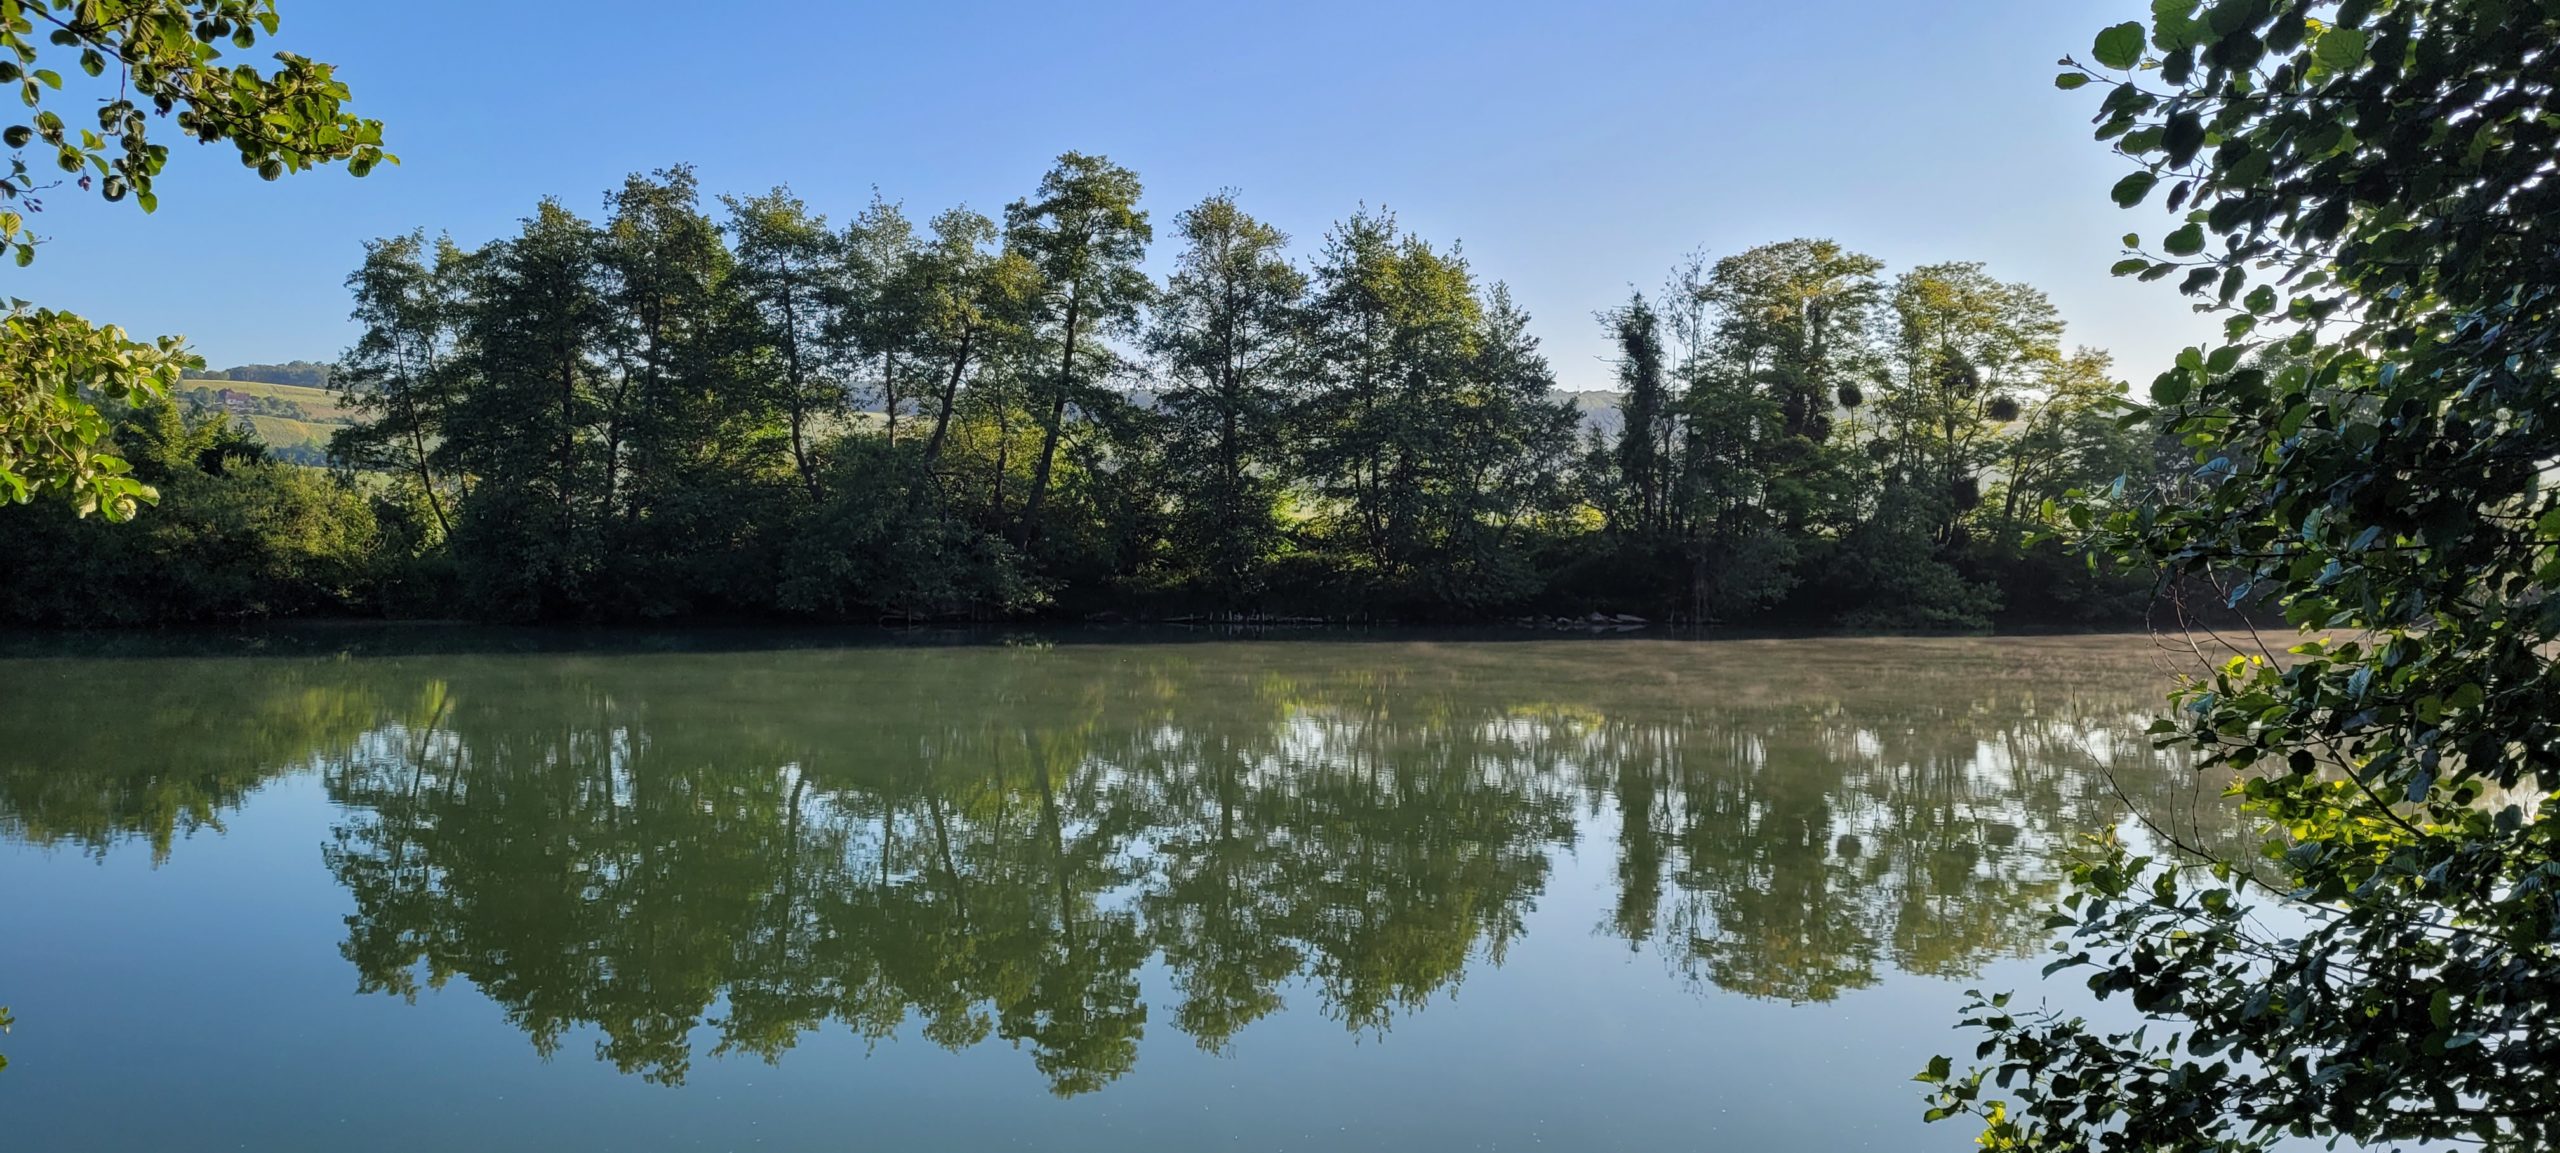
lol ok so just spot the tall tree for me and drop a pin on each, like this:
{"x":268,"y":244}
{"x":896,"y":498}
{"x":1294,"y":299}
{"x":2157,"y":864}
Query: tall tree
{"x":1792,"y":321}
{"x":1226,"y":328}
{"x":1644,"y":391}
{"x":1514,"y":443}
{"x":666,"y":272}
{"x":537,"y":335}
{"x":1739,"y":556}
{"x":1085,"y":232}
{"x":398,"y":378}
{"x":1964,"y":345}
{"x":886,"y":301}
{"x":790,"y":270}
{"x":976,"y":304}
{"x":1432,"y":431}
{"x":1350,"y":335}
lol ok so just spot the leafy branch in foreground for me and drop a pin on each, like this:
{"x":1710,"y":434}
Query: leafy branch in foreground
{"x":164,"y":58}
{"x":51,"y":436}
{"x":2370,"y":182}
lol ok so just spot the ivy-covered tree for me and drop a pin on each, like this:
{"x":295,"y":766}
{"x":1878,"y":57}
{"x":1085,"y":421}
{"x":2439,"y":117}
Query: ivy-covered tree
{"x":1642,"y":453}
{"x":2364,"y":189}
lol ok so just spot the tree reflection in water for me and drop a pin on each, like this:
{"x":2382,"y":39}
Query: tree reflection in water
{"x":988,"y":843}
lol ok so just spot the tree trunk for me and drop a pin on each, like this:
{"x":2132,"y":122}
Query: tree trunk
{"x":568,"y":441}
{"x":889,"y":388}
{"x":1004,"y":458}
{"x":1057,"y":422}
{"x":950,"y":396}
{"x":426,"y":478}
{"x":798,"y":384}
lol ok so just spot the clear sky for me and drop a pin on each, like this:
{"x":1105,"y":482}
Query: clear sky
{"x":1574,"y":148}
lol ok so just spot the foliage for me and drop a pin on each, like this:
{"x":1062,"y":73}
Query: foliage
{"x":1434,"y":442}
{"x":668,"y":412}
{"x":1085,"y":234}
{"x":2365,"y":190}
{"x":234,"y":536}
{"x":881,"y":544}
{"x":166,"y":58}
{"x":1834,"y":449}
{"x":52,"y":436}
{"x":1226,"y":326}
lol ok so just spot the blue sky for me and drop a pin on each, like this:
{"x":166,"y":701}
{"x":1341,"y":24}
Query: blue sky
{"x":1574,"y":148}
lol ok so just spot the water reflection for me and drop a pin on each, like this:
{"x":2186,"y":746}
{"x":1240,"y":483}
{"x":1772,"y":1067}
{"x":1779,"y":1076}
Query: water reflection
{"x":992,"y":844}
{"x":96,"y":753}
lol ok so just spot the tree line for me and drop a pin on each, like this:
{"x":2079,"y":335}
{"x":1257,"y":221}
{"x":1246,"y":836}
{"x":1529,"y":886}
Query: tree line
{"x":744,"y":409}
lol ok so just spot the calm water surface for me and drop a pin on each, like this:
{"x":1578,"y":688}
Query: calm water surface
{"x":701,"y":894}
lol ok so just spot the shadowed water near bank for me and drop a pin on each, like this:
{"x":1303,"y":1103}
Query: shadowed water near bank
{"x":1409,"y":894}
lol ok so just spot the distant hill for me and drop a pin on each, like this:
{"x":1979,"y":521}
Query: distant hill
{"x":302,"y":373}
{"x":1600,"y":411}
{"x":1599,"y":408}
{"x":292,"y":409}
{"x":295,"y":420}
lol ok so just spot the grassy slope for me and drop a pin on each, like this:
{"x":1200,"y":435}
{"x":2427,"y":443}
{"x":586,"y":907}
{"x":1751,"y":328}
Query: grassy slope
{"x":322,"y":414}
{"x":319,"y":405}
{"x":280,"y":432}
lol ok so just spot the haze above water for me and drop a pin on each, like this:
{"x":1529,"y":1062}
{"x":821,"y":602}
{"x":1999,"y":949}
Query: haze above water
{"x":697,"y":893}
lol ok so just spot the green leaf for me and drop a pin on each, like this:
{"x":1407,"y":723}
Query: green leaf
{"x":2070,"y":80}
{"x":2340,"y":49}
{"x":2182,"y":136}
{"x":2129,"y":267}
{"x":2120,"y":47}
{"x":2130,"y":190}
{"x":2186,"y":241}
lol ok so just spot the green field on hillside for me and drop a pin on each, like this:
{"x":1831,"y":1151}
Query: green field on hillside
{"x":318,"y":405}
{"x":295,"y":421}
{"x":282,"y":432}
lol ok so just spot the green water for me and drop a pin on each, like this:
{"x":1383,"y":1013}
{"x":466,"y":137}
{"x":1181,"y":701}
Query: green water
{"x":705,"y":892}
